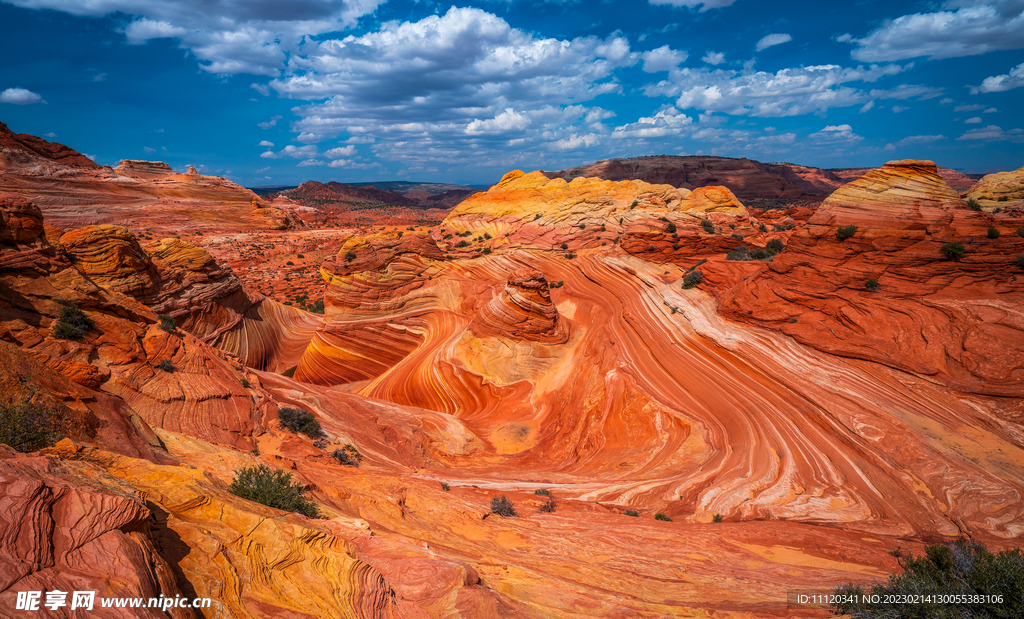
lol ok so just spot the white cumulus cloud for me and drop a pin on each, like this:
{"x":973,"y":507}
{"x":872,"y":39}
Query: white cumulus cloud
{"x":20,"y":96}
{"x":714,"y":58}
{"x":999,"y":83}
{"x":663,"y":58}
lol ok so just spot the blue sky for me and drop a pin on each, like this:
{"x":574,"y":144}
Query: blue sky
{"x":272,"y":92}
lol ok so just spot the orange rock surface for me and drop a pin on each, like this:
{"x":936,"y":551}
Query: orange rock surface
{"x":957,"y":321}
{"x":876,"y":420}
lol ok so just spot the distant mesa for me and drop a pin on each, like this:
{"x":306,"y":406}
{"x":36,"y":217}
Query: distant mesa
{"x":747,"y":178}
{"x":141,"y":165}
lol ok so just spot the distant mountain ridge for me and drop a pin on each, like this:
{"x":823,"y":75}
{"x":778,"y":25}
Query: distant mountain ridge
{"x":746,"y":178}
{"x":412,"y":195}
{"x":41,"y":148}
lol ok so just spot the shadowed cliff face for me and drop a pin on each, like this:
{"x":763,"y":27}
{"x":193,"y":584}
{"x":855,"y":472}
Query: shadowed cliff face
{"x":485,"y":356}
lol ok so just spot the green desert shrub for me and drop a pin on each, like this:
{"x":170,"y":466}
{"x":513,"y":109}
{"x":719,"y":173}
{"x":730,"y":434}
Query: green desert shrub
{"x":632,"y":512}
{"x":871,"y":284}
{"x":953,"y":251}
{"x":290,"y":263}
{"x":961,"y":568}
{"x":502,"y":506}
{"x":775,"y":245}
{"x":671,"y":227}
{"x":992,"y":233}
{"x":349,"y":257}
{"x":548,"y":506}
{"x":298,"y":420}
{"x":660,"y":516}
{"x":760,"y":254}
{"x":167,"y":366}
{"x":542,"y":492}
{"x":30,"y":426}
{"x":246,"y":383}
{"x":167,"y":322}
{"x":445,"y":486}
{"x":845,"y":232}
{"x":692,"y":279}
{"x":462,"y":243}
{"x":716,"y":518}
{"x":273,"y":488}
{"x":72,"y":324}
{"x":565,"y":246}
{"x":708,"y":226}
{"x":349,"y":456}
{"x":973,"y":204}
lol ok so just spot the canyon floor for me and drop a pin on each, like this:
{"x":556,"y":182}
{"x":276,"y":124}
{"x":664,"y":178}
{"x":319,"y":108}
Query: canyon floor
{"x":792,"y":423}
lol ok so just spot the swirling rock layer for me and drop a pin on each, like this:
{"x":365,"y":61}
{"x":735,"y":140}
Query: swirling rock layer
{"x":930,"y":315}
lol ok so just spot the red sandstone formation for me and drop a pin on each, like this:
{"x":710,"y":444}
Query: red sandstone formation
{"x":18,"y":145}
{"x":931,"y":315}
{"x":748,"y":179}
{"x":484,"y":356}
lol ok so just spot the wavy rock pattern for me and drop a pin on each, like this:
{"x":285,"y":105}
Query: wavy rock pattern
{"x":931,"y":316}
{"x":112,"y":257}
{"x":1001,"y":190}
{"x":523,"y":310}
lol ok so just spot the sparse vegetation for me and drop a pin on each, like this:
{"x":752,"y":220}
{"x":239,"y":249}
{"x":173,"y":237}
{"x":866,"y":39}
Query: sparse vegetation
{"x":661,"y":516}
{"x":775,"y":245}
{"x":692,"y":279}
{"x":871,"y":285}
{"x":671,"y":228}
{"x":273,"y":488}
{"x":992,"y":233}
{"x":72,"y":324}
{"x":298,"y":420}
{"x":290,"y":263}
{"x":565,"y":246}
{"x":632,"y":512}
{"x":708,"y":226}
{"x":845,"y":232}
{"x":348,"y":456}
{"x":445,"y":486}
{"x":973,"y":204}
{"x":1004,"y":198}
{"x":167,"y":366}
{"x":548,"y":506}
{"x":245,"y":383}
{"x":462,"y":243}
{"x":1020,"y":261}
{"x":953,"y":251}
{"x":167,"y":322}
{"x":542,"y":492}
{"x":502,"y":506}
{"x":716,"y":518}
{"x":349,"y":257}
{"x":960,"y":568}
{"x":30,"y":426}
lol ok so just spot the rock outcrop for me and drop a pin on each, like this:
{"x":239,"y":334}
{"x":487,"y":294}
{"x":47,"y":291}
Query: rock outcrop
{"x":38,"y":147}
{"x":522,"y":311}
{"x":931,"y":315}
{"x":1003,"y":190}
{"x":746,"y":178}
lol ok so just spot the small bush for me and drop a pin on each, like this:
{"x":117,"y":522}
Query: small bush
{"x":503,"y":507}
{"x":462,"y":243}
{"x":845,"y":232}
{"x":792,"y":320}
{"x":317,"y":308}
{"x":961,"y":568}
{"x":72,"y":324}
{"x":349,"y":456}
{"x":1020,"y":261}
{"x":547,"y":507}
{"x":775,"y":245}
{"x":245,"y":383}
{"x":445,"y":486}
{"x":632,"y":512}
{"x":565,"y":246}
{"x":536,"y":217}
{"x":670,"y":228}
{"x":167,"y":322}
{"x":953,"y":251}
{"x":708,"y":226}
{"x":298,"y":420}
{"x":738,"y":237}
{"x":973,"y":204}
{"x":692,"y":279}
{"x":660,"y":516}
{"x":349,"y":257}
{"x":760,"y":254}
{"x":487,"y":250}
{"x":300,"y":256}
{"x":1020,"y":231}
{"x":290,"y":263}
{"x":273,"y":488}
{"x":763,"y":228}
{"x":1004,"y":198}
{"x":30,"y":426}
{"x":583,"y":226}
{"x":993,"y":233}
{"x":871,"y":284}
{"x":650,"y":248}
{"x":675,"y":245}
{"x":167,"y":366}
{"x":542,"y":492}
{"x":716,"y":518}
{"x":632,"y":206}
